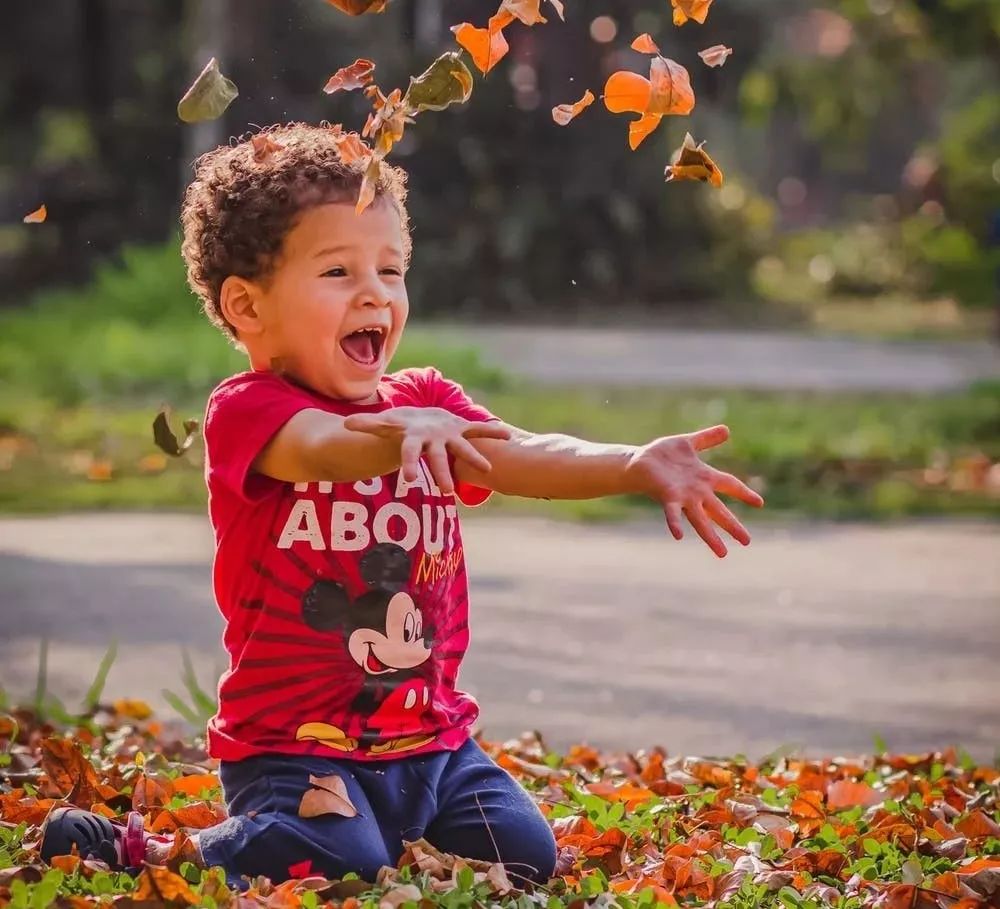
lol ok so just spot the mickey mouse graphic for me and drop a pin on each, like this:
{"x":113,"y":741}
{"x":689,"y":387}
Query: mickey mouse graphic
{"x":384,"y":633}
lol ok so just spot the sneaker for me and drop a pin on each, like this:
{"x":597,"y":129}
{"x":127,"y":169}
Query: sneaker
{"x":120,"y":846}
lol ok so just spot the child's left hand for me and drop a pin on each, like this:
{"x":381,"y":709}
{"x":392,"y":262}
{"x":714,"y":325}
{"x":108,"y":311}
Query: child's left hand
{"x":669,"y":470}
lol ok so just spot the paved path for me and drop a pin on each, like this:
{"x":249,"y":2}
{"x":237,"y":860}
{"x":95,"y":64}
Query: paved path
{"x":818,"y":634}
{"x":764,"y":360}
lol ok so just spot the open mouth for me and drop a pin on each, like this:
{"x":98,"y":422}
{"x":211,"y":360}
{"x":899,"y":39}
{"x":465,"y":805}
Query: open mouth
{"x":373,"y":663}
{"x":364,"y":346}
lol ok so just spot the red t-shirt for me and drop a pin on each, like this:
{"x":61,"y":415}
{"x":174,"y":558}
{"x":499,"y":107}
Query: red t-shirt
{"x":346,"y":604}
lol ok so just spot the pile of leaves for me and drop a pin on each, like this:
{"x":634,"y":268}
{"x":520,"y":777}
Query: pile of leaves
{"x":633,"y":830}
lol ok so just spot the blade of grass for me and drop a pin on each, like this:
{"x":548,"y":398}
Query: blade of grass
{"x":199,"y":697}
{"x":41,"y":678}
{"x":96,"y":689}
{"x":186,"y":712}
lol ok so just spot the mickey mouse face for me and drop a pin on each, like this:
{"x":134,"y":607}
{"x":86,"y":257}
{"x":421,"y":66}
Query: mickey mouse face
{"x":401,"y":646}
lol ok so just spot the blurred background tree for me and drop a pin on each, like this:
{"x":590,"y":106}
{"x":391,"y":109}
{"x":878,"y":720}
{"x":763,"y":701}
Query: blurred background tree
{"x":860,"y":139}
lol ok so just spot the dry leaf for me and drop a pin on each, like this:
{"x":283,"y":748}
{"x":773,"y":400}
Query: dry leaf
{"x":71,"y":776}
{"x":366,"y":195}
{"x":486,"y":46}
{"x":165,"y":439}
{"x":639,"y":129}
{"x":691,"y":162}
{"x":446,"y":81}
{"x":715,"y":55}
{"x":848,"y":794}
{"x":347,"y":78}
{"x":358,"y":7}
{"x":626,"y":92}
{"x":671,"y":91}
{"x":161,"y":885}
{"x":563,"y":113}
{"x":330,"y":797}
{"x":37,"y":216}
{"x":690,"y":9}
{"x":209,"y":95}
{"x":645,"y":44}
{"x":527,"y":12}
{"x":351,"y":148}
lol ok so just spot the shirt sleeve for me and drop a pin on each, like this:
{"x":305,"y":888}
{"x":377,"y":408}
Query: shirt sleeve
{"x":450,"y":396}
{"x":242,"y":416}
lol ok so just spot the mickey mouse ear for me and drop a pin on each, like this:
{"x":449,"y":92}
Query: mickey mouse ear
{"x":386,"y":567}
{"x":324,"y":605}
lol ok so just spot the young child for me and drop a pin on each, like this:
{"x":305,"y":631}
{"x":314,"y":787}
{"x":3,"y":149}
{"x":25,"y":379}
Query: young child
{"x":339,"y":566}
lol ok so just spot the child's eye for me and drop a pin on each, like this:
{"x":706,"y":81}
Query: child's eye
{"x":335,"y":272}
{"x":392,"y":271}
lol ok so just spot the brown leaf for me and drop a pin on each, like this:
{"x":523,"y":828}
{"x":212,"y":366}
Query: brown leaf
{"x":645,"y":44}
{"x":358,"y":7}
{"x":691,"y":162}
{"x":526,"y":11}
{"x":564,"y":113}
{"x":264,"y":146}
{"x":329,"y":797}
{"x":208,"y":97}
{"x":715,"y":55}
{"x":165,"y":439}
{"x":347,"y":78}
{"x":671,"y":91}
{"x":976,"y":824}
{"x":37,"y":216}
{"x":690,"y":9}
{"x":157,"y":883}
{"x":351,"y":148}
{"x":71,"y":775}
{"x":848,"y":794}
{"x":366,"y":195}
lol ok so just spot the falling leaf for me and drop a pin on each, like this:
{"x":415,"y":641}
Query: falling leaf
{"x":385,"y":125}
{"x":348,"y":78}
{"x":351,"y":148}
{"x":639,"y":129}
{"x":37,"y":216}
{"x":691,"y":162}
{"x":715,"y":55}
{"x":164,"y":436}
{"x":446,"y":81}
{"x":645,"y":44}
{"x":358,"y":7}
{"x":366,"y":195}
{"x":329,"y":797}
{"x":671,"y":91}
{"x":563,"y":113}
{"x":690,"y":9}
{"x":527,"y":12}
{"x":486,"y":46}
{"x":208,"y":97}
{"x":627,"y":92}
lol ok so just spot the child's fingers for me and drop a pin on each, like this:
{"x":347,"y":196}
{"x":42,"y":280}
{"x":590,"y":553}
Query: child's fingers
{"x":709,"y":438}
{"x":490,"y":430}
{"x":672,"y":510}
{"x":409,"y":457}
{"x":464,"y":449}
{"x":703,"y":526}
{"x":722,"y":516}
{"x":735,"y":487}
{"x":437,"y":461}
{"x":366,"y":422}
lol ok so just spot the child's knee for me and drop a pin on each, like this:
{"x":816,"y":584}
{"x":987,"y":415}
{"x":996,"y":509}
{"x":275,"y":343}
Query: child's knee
{"x":531,"y":854}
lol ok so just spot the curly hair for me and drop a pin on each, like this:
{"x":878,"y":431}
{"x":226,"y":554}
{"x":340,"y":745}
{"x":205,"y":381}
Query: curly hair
{"x":243,"y":201}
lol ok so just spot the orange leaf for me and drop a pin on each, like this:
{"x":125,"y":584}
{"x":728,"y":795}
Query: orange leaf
{"x":196,"y":783}
{"x":149,"y":792}
{"x":712,"y":774}
{"x":715,"y":55}
{"x":330,"y":797}
{"x":898,"y":896}
{"x":37,"y":216}
{"x":563,"y":113}
{"x":366,"y":195}
{"x":639,"y":129}
{"x":977,"y":824}
{"x":690,"y":9}
{"x":358,"y":7}
{"x":626,"y":91}
{"x":263,"y":147}
{"x":158,"y":884}
{"x":348,"y":78}
{"x":645,"y":44}
{"x":351,"y":148}
{"x":671,"y":91}
{"x":848,"y":794}
{"x":487,"y":46}
{"x":525,"y":11}
{"x":980,"y":864}
{"x":691,"y":162}
{"x":806,"y":810}
{"x":71,"y":775}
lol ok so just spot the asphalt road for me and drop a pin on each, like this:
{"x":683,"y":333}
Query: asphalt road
{"x":824,"y":635}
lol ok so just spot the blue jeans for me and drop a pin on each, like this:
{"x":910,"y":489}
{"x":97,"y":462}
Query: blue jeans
{"x":460,"y":801}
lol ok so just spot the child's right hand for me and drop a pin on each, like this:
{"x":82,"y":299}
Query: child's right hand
{"x":430,"y":432}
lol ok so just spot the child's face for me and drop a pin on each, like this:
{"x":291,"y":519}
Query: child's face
{"x":334,"y":308}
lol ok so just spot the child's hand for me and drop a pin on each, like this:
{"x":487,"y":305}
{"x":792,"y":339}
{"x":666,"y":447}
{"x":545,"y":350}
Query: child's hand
{"x":670,"y":471}
{"x":431,"y":432}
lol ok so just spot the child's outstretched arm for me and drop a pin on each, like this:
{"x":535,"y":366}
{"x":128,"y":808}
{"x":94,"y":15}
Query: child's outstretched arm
{"x":668,"y":469}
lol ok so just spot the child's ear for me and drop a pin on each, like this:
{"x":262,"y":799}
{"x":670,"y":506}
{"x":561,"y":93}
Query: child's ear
{"x":238,"y":302}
